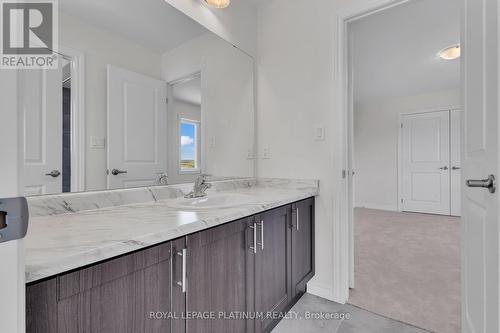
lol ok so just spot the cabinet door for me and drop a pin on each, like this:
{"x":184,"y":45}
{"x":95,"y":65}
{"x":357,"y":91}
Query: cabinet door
{"x":41,"y":307}
{"x":272,"y":266}
{"x":220,"y":278}
{"x":117,"y":296}
{"x":302,"y":246}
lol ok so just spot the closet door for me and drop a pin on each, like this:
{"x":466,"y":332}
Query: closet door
{"x":137,"y":129}
{"x":425,"y":162}
{"x":456,"y":174}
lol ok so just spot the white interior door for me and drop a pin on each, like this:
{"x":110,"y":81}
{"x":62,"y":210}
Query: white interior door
{"x":425,"y":159}
{"x":41,"y":142}
{"x":456,"y":163}
{"x":480,"y":216}
{"x":137,"y":128}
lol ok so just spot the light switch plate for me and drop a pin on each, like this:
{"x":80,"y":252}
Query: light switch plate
{"x":97,"y":142}
{"x":319,"y":133}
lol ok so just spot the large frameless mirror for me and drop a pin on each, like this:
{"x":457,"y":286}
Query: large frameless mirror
{"x":143,"y":95}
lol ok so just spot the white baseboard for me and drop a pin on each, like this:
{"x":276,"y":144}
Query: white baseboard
{"x":392,"y":208}
{"x":321,"y":290}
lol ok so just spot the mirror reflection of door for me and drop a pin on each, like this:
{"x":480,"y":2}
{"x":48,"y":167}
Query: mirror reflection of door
{"x":46,"y":141}
{"x":137,"y":136}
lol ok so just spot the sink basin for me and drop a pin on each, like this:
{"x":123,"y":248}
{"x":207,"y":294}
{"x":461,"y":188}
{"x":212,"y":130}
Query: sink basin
{"x":212,"y":201}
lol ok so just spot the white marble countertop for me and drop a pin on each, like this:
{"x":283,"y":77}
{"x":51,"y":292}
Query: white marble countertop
{"x":74,"y":230}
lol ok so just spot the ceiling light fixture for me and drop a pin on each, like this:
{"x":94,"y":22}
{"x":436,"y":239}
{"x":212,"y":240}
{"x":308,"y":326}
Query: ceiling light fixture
{"x":218,"y":3}
{"x":450,"y":53}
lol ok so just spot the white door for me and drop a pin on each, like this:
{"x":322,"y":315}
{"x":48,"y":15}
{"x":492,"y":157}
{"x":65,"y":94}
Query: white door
{"x":480,"y":216}
{"x":137,"y":128}
{"x":425,"y":158}
{"x":455,"y":162}
{"x":41,"y":133}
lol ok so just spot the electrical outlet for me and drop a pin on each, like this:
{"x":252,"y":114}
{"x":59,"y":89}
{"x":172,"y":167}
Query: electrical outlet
{"x":212,"y":142}
{"x":250,"y":154}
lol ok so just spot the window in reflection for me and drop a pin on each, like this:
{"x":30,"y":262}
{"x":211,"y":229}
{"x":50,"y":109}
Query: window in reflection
{"x":189,"y":146}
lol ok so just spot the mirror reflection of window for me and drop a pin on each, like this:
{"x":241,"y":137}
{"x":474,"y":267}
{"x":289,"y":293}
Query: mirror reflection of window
{"x":189,"y":146}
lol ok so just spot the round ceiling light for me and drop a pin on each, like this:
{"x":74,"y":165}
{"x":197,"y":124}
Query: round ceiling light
{"x":450,"y":53}
{"x":218,"y":3}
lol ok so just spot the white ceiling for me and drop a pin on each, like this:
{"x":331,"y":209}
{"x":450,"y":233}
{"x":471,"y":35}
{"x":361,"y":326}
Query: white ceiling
{"x":395,"y":51}
{"x":151,"y":23}
{"x":188,"y":91}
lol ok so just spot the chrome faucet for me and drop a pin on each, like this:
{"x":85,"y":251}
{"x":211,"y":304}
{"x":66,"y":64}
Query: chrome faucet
{"x":161,"y":178}
{"x":199,"y":188}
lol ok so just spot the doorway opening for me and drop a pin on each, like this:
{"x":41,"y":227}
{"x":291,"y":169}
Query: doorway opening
{"x":186,"y":124}
{"x":66,"y":125}
{"x":404,"y":160}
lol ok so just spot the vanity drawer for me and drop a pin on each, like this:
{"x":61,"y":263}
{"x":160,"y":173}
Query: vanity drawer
{"x":84,"y":279}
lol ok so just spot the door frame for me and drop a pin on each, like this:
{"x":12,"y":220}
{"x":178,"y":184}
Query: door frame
{"x":78,"y":137}
{"x":343,"y":236}
{"x":400,"y":145}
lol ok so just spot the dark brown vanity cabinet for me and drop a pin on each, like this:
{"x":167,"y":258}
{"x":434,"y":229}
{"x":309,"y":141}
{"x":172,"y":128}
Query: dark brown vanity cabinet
{"x":219,"y":278}
{"x":272,"y":266}
{"x":302,"y":236}
{"x":116,"y":296}
{"x":237,"y":277}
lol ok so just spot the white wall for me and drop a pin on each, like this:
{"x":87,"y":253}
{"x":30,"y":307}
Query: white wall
{"x":297,"y":84}
{"x":227,"y":101}
{"x":236,"y":24}
{"x":12,"y":271}
{"x":376,"y":128}
{"x":177,"y":110}
{"x":102,"y":48}
{"x":295,"y":94}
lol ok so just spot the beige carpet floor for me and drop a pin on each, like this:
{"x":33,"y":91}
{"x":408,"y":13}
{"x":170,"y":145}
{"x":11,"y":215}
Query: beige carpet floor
{"x":407,"y":267}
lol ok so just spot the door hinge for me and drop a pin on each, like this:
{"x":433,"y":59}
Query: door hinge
{"x":166,"y":100}
{"x":401,"y":125}
{"x":402,"y":201}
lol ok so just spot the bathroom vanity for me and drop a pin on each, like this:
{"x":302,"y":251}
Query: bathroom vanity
{"x":155,"y":266}
{"x":151,"y":103}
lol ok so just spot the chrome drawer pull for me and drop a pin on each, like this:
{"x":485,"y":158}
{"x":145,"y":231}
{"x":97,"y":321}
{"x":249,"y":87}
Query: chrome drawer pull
{"x":182,"y":283}
{"x":254,"y":247}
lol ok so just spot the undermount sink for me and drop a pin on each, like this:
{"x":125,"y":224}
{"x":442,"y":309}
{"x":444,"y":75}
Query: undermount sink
{"x":212,"y":201}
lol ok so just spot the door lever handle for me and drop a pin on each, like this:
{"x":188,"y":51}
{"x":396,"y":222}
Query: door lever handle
{"x":443,"y":168}
{"x":488,"y":183}
{"x":455,"y":168}
{"x":53,"y":173}
{"x":116,"y":172}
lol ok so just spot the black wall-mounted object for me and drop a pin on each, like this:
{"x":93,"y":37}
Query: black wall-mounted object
{"x":14,"y":219}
